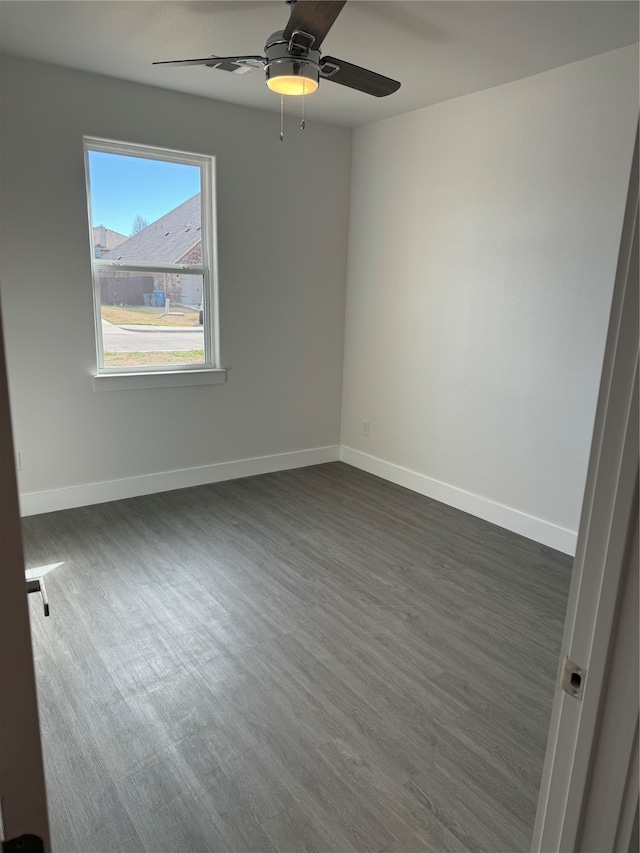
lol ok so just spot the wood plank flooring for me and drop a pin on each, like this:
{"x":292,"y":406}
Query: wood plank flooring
{"x":314,"y":660}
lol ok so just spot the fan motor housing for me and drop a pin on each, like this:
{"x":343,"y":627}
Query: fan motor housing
{"x":281,"y":62}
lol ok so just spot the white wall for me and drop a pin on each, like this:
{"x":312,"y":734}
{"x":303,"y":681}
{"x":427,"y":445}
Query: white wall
{"x":282,"y":214}
{"x":484,"y":234}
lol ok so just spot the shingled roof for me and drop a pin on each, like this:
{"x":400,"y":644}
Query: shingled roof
{"x":166,"y":240}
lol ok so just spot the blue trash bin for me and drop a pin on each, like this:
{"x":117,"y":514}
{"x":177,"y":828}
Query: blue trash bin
{"x":159,"y":296}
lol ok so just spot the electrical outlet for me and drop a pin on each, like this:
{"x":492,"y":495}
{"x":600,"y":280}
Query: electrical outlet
{"x":365,"y":427}
{"x":18,"y":461}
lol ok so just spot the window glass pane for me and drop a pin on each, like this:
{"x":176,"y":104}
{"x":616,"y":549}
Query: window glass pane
{"x":151,"y":319}
{"x":145,"y":211}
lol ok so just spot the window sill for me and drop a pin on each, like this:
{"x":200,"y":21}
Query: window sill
{"x":166,"y":379}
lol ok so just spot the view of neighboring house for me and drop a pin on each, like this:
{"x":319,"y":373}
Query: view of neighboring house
{"x":105,"y":239}
{"x":172,"y":239}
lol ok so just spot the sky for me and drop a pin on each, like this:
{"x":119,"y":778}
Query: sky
{"x":125,"y":187}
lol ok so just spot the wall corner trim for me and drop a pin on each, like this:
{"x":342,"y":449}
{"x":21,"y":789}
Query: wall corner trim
{"x":33,"y":503}
{"x":534,"y":528}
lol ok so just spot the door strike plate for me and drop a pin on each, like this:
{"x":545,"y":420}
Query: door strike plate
{"x":573,"y":678}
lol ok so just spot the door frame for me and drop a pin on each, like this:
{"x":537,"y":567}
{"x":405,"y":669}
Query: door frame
{"x":23,"y":800}
{"x":603,"y":563}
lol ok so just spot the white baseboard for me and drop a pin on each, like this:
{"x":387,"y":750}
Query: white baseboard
{"x":33,"y":503}
{"x":511,"y":519}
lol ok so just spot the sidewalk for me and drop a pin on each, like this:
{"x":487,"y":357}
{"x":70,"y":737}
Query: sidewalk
{"x":159,"y":328}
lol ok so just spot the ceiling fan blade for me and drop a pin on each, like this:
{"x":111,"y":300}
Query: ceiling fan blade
{"x":315,"y":17}
{"x":358,"y":78}
{"x":216,"y":61}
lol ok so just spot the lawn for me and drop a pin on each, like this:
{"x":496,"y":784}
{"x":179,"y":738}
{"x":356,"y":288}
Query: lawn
{"x":141,"y":315}
{"x":148,"y":359}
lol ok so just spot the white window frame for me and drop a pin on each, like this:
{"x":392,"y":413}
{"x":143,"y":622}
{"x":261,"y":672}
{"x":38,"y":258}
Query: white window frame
{"x":210,"y":372}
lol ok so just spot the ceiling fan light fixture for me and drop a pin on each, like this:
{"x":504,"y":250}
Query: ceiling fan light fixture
{"x":293,"y":63}
{"x":292,"y":76}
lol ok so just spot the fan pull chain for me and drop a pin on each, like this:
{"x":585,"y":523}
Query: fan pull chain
{"x":281,"y":118}
{"x":302,"y":124}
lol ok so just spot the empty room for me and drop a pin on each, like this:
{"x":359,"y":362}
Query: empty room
{"x":307,"y":311}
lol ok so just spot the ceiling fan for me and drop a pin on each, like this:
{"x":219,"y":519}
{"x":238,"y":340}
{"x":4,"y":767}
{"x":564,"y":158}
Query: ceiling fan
{"x":293,"y":64}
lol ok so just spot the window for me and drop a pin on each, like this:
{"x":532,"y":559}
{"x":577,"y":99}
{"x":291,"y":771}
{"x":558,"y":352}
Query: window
{"x":152,"y":256}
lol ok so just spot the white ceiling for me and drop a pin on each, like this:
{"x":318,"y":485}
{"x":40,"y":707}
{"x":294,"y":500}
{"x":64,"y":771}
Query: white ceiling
{"x":438,"y":50}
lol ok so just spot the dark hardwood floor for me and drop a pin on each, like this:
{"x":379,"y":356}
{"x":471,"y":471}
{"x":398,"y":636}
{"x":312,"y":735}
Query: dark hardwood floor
{"x":313,"y":660}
